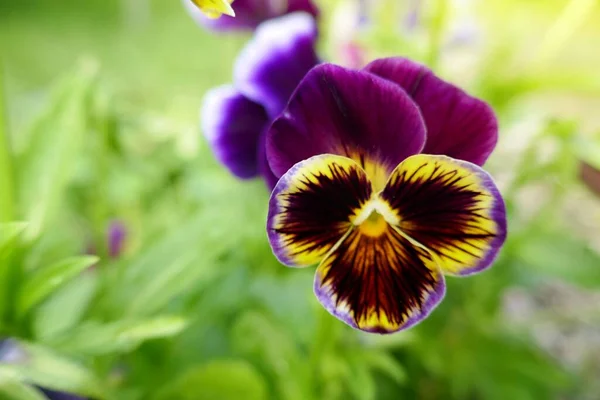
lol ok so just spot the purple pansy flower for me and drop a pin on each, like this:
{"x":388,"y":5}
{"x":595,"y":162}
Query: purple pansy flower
{"x":251,"y":13}
{"x":381,"y":186}
{"x":235,"y":117}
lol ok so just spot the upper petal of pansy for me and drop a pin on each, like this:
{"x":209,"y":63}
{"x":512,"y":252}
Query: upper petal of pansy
{"x":458,"y":125}
{"x":233,"y":125}
{"x":276,"y":59}
{"x":376,"y":280}
{"x":452,"y":208}
{"x":351,"y":113}
{"x":312,"y":207}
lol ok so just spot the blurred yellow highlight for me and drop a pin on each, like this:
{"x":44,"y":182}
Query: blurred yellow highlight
{"x":215,"y":8}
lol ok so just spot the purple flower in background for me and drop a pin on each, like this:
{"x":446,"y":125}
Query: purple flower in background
{"x":54,"y":395}
{"x":235,"y":117}
{"x":12,"y":353}
{"x":117,"y":232}
{"x":251,"y":13}
{"x":381,"y":186}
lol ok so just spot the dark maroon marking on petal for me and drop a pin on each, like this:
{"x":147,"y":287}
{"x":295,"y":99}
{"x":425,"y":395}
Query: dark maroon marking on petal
{"x":458,"y":125}
{"x":351,"y":113}
{"x":310,"y":209}
{"x":384,"y":275}
{"x":447,"y":213}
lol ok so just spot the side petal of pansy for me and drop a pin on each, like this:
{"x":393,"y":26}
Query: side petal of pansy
{"x":279,"y":55}
{"x":352,"y":113}
{"x":458,"y":125}
{"x":233,"y":125}
{"x":450,"y":207}
{"x":312,"y":207}
{"x":377,"y":281}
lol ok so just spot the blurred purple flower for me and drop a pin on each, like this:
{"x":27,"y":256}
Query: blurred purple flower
{"x":251,"y":13}
{"x":235,"y":117}
{"x":54,"y":395}
{"x":11,"y":352}
{"x":117,"y":232}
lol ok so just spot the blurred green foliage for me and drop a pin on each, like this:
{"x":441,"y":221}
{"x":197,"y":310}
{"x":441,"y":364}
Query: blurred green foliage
{"x":196,"y":307}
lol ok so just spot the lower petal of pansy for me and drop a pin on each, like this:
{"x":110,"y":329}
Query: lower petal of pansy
{"x":452,"y":208}
{"x":312,"y":206}
{"x":376,"y":280}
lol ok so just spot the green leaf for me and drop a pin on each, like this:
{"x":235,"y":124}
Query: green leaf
{"x":588,"y":151}
{"x":386,"y":364}
{"x":117,"y":337}
{"x":7,"y":200}
{"x":43,"y":367}
{"x":46,"y":166}
{"x":12,"y":389}
{"x":255,"y":335}
{"x":217,"y":380}
{"x":558,"y":255}
{"x":8,"y":233}
{"x":45,"y":281}
{"x":359,"y":381}
{"x":65,"y":308}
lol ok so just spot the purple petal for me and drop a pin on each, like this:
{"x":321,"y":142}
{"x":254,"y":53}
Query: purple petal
{"x":276,"y":59}
{"x":352,"y":113}
{"x":458,"y":125}
{"x":233,"y":125}
{"x":117,"y":232}
{"x":251,"y":13}
{"x":263,"y":164}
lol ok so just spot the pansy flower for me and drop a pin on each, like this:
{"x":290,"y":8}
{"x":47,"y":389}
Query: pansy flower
{"x":381,"y":186}
{"x":251,"y":13}
{"x":235,"y":117}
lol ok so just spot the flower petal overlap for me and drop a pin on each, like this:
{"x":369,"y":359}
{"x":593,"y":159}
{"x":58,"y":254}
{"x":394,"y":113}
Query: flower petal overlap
{"x":235,"y":117}
{"x":336,"y":110}
{"x":458,"y":125}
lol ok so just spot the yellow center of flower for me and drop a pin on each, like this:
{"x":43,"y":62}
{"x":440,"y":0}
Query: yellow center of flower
{"x":375,"y":225}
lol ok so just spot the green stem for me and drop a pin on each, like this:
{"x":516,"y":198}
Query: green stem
{"x":6,"y":162}
{"x":325,"y":337}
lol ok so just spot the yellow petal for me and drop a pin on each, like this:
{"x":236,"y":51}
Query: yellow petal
{"x":215,"y":8}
